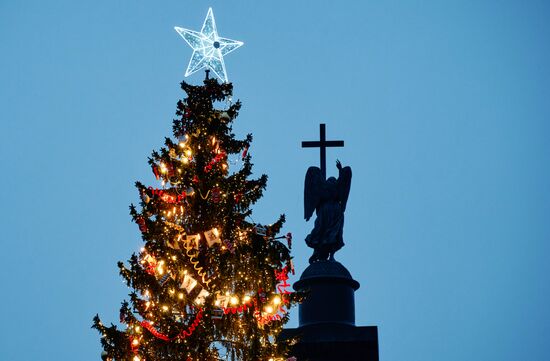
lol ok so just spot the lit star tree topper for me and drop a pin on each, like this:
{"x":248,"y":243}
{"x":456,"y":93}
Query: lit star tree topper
{"x":208,"y":48}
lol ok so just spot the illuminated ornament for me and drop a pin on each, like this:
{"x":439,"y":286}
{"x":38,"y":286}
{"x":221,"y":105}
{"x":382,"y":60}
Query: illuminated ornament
{"x":201,"y":298}
{"x":212,"y":236}
{"x":208,"y":48}
{"x":188,"y":283}
{"x":193,"y":240}
{"x":222,"y":300}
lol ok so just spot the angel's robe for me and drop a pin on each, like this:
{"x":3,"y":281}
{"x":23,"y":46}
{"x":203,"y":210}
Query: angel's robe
{"x":327,"y":233}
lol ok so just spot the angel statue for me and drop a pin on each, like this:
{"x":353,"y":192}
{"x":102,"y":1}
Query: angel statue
{"x":328,"y":198}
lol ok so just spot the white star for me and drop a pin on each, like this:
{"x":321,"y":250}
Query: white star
{"x":208,"y":48}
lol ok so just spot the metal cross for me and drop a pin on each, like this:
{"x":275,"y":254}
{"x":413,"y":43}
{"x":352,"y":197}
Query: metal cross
{"x":323,"y":144}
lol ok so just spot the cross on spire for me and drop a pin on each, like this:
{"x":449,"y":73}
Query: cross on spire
{"x":323,"y":144}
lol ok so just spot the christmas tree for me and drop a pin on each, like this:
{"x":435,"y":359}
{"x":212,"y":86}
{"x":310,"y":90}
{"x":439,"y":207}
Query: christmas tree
{"x":209,"y":283}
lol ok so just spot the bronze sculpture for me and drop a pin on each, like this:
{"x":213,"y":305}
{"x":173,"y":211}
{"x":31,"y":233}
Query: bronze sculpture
{"x":328,"y":198}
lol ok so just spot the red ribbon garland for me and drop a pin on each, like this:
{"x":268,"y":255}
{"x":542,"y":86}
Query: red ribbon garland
{"x":282,"y":286}
{"x":166,"y":196}
{"x":182,"y":335}
{"x":282,"y":276}
{"x":216,"y":159}
{"x":242,"y":308}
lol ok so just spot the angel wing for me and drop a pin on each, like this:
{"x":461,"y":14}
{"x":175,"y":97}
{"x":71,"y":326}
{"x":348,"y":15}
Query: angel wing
{"x":344,"y":185}
{"x":312,"y":190}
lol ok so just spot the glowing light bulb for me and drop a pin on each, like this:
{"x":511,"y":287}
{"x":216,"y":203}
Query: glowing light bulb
{"x":165,"y":308}
{"x":183,"y":141}
{"x":136,"y":358}
{"x":188,"y":152}
{"x":135,"y":342}
{"x":246,"y":298}
{"x":277,"y":300}
{"x":234,"y":300}
{"x":180,"y":296}
{"x":269,"y":309}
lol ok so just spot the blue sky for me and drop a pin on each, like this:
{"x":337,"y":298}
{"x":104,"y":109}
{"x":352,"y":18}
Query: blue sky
{"x":443,"y":106}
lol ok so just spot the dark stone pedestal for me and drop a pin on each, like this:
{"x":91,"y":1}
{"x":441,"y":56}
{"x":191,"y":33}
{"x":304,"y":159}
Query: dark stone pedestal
{"x":327,"y":330}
